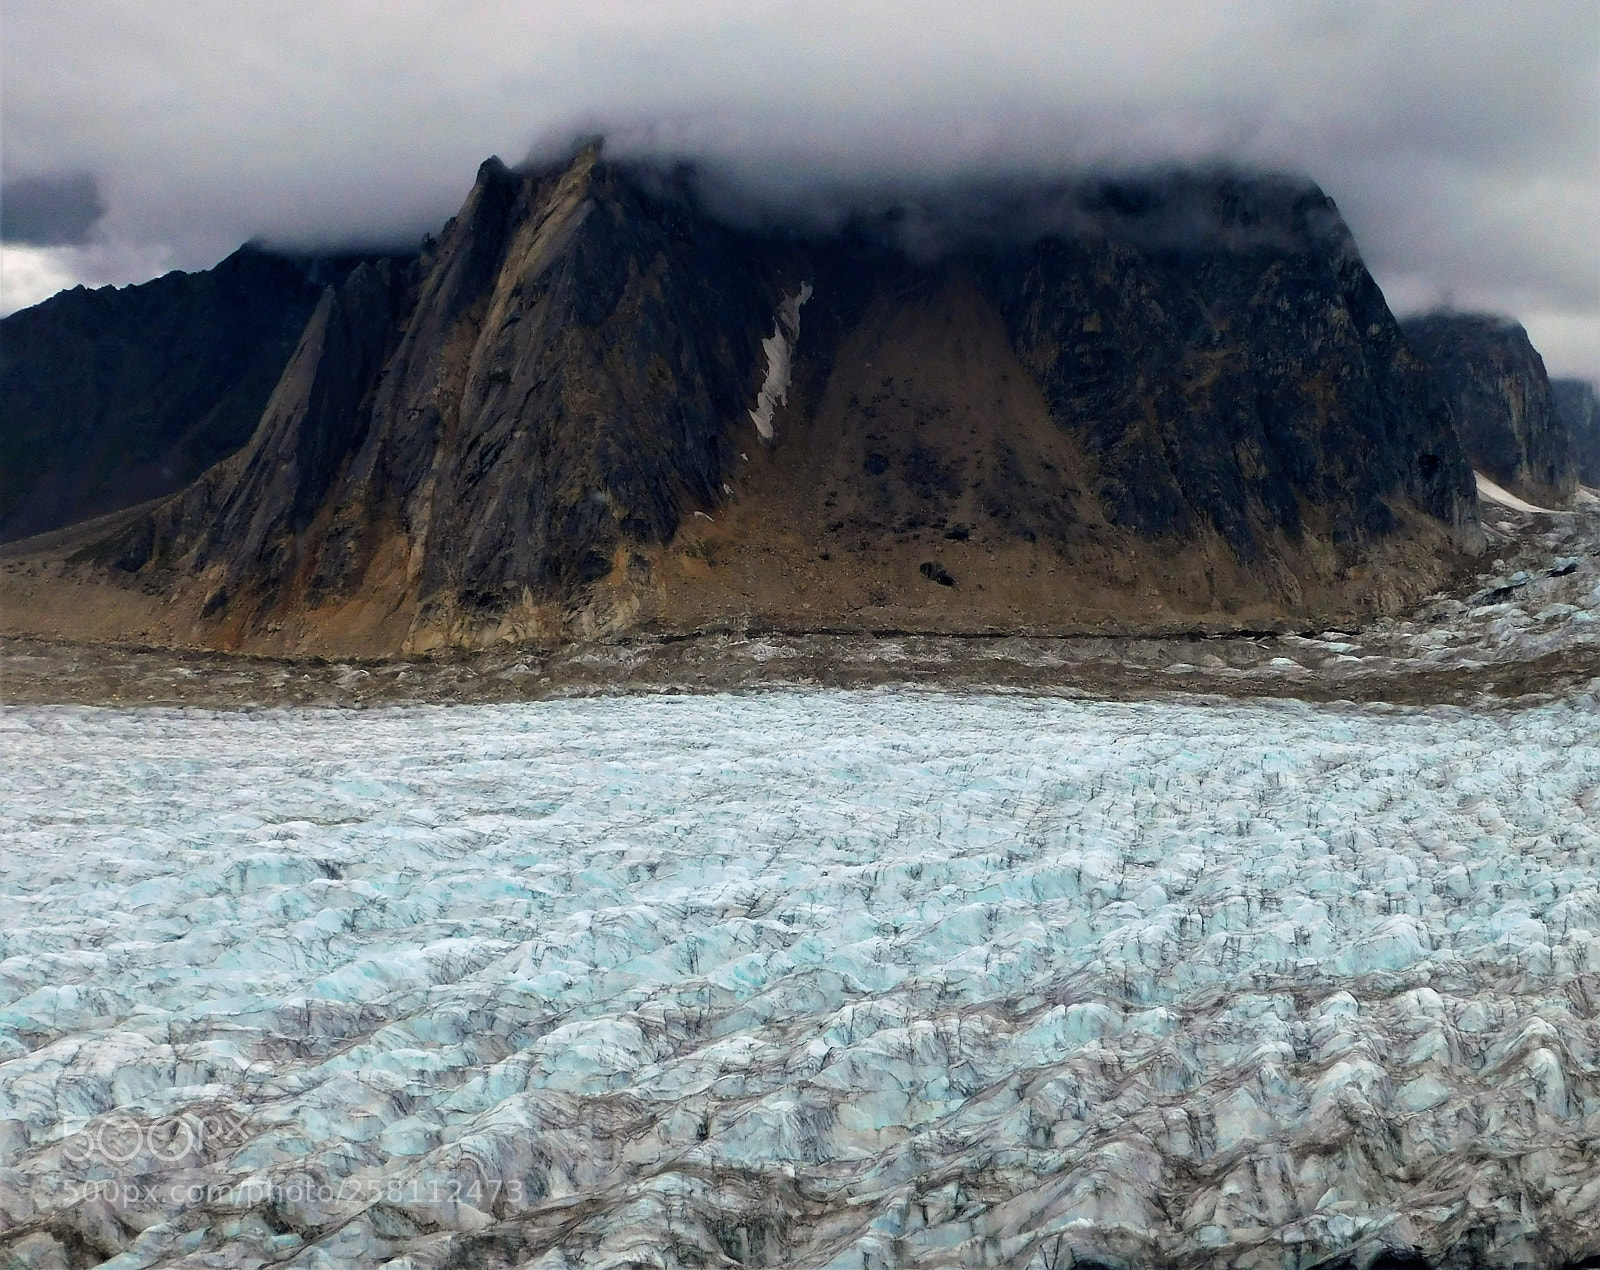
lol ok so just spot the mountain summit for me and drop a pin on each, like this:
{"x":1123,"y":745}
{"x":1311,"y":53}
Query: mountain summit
{"x":1505,"y":411}
{"x":589,"y":406}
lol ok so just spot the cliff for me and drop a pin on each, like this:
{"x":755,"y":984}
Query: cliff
{"x":1578,"y":409}
{"x":112,"y":397}
{"x":592,"y":407}
{"x":1504,"y":409}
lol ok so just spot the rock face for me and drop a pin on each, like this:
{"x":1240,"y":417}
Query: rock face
{"x":1505,"y":412}
{"x":112,"y":397}
{"x":590,"y":406}
{"x":1578,"y":409}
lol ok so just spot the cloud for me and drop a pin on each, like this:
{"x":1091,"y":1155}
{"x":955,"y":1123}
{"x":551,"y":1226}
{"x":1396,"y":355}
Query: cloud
{"x":30,"y":274}
{"x":1461,"y":138}
{"x":49,"y":211}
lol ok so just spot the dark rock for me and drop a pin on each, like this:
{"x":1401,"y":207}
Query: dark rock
{"x":1235,"y":377}
{"x":1578,"y":408}
{"x":1504,"y":409}
{"x":246,"y":512}
{"x":565,"y":377}
{"x":115,"y":396}
{"x":1401,"y":1259}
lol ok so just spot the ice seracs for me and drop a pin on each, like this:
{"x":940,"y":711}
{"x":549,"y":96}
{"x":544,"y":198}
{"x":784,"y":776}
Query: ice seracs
{"x":805,"y":978}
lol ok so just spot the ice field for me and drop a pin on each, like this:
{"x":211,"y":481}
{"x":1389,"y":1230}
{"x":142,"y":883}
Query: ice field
{"x":868,"y":979}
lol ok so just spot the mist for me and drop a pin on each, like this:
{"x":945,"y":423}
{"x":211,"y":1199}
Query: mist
{"x":1461,"y":141}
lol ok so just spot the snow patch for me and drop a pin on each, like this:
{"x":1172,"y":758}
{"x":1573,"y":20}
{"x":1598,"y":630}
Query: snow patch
{"x":779,"y":348}
{"x":1495,"y":494}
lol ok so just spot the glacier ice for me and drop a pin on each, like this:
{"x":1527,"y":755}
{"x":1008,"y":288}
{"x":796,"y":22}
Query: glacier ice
{"x":885,"y":978}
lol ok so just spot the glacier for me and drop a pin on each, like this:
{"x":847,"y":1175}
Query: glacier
{"x":808,"y":978}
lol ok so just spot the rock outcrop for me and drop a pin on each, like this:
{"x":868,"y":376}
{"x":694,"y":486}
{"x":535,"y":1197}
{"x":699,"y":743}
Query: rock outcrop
{"x":1505,"y":411}
{"x":1171,"y":403}
{"x":112,"y":397}
{"x":1578,"y":409}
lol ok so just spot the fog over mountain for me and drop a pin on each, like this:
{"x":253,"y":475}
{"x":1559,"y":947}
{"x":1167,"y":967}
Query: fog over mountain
{"x":1461,"y":140}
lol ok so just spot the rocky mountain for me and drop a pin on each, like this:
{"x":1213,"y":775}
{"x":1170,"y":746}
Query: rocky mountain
{"x":1578,"y":409}
{"x":590,"y":406}
{"x":112,"y":397}
{"x":1504,"y":408}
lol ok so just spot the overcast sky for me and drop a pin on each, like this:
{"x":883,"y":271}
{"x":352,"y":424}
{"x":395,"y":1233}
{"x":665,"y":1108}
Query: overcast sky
{"x":1461,"y":139}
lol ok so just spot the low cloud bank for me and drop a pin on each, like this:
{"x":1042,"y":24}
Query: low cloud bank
{"x":1461,"y":140}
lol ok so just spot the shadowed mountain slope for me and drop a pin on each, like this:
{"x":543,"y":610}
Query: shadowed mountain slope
{"x":591,"y":407}
{"x":1505,"y":412}
{"x":115,"y":396}
{"x":1578,"y":408}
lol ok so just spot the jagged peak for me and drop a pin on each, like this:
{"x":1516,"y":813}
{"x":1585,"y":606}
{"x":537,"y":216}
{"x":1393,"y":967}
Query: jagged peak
{"x":492,"y":169}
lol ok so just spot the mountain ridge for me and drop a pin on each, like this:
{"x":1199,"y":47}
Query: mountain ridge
{"x":548,"y":427}
{"x":117,"y":395}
